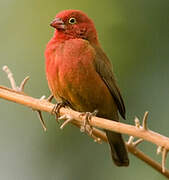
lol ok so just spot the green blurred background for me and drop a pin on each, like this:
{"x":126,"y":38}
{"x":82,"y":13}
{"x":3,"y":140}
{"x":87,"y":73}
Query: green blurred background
{"x":135,"y":35}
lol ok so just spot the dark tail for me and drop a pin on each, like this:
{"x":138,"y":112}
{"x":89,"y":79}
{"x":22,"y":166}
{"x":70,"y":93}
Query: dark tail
{"x":118,"y":149}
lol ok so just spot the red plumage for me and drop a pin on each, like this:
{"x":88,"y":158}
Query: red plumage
{"x":80,"y":74}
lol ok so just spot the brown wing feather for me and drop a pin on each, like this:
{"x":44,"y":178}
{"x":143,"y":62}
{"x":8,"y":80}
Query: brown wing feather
{"x":104,"y":69}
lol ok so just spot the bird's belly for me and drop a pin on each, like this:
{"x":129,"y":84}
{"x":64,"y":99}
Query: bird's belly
{"x":72,"y":77}
{"x":84,"y":89}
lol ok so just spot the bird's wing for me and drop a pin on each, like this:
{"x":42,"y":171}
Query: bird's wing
{"x":104,"y":69}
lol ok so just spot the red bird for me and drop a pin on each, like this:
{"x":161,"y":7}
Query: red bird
{"x":80,"y":74}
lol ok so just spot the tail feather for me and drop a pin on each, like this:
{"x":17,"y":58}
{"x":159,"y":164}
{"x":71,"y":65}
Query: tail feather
{"x":118,"y":149}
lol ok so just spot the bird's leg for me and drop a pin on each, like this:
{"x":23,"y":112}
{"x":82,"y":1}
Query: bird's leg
{"x":86,"y":122}
{"x":56,"y":109}
{"x":91,"y":134}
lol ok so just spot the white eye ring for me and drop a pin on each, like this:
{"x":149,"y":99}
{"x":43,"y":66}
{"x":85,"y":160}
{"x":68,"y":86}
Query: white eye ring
{"x":72,"y":21}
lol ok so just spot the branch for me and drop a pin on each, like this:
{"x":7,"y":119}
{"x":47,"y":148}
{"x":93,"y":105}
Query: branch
{"x":133,"y":150}
{"x":16,"y":95}
{"x":43,"y":105}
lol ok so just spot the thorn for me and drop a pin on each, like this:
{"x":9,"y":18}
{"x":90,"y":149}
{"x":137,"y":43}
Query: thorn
{"x":10,"y":77}
{"x":64,"y":117}
{"x":144,"y":124}
{"x":130,"y":141}
{"x":21,"y":89}
{"x":22,"y":85}
{"x":41,"y":120}
{"x":136,"y":143}
{"x":164,"y":156}
{"x":159,"y":150}
{"x":69,"y":119}
{"x":137,"y":122}
{"x":43,"y":97}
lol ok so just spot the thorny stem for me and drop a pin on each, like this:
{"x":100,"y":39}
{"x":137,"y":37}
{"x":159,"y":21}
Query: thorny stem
{"x":16,"y":95}
{"x":133,"y":150}
{"x":43,"y":105}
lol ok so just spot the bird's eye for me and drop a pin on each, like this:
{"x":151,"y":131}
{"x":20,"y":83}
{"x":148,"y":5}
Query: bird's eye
{"x":72,"y":21}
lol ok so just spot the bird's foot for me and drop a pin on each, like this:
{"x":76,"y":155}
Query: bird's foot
{"x":96,"y":138}
{"x":56,"y":109}
{"x":86,"y":127}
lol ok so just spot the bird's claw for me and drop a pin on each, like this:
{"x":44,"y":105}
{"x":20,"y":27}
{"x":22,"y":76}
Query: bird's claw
{"x":56,"y":109}
{"x":86,"y":127}
{"x":87,"y":118}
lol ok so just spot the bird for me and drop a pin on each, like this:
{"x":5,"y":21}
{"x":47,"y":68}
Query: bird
{"x":80,"y":75}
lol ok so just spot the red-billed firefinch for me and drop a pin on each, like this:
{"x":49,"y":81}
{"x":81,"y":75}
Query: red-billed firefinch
{"x":80,"y":74}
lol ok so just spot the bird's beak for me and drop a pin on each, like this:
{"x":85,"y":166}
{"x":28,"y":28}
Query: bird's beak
{"x":58,"y":24}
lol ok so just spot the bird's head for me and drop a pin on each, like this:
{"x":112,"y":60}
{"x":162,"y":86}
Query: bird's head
{"x":71,"y":24}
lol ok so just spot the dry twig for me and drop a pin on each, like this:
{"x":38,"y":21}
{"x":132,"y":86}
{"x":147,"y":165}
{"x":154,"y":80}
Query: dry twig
{"x":142,"y":132}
